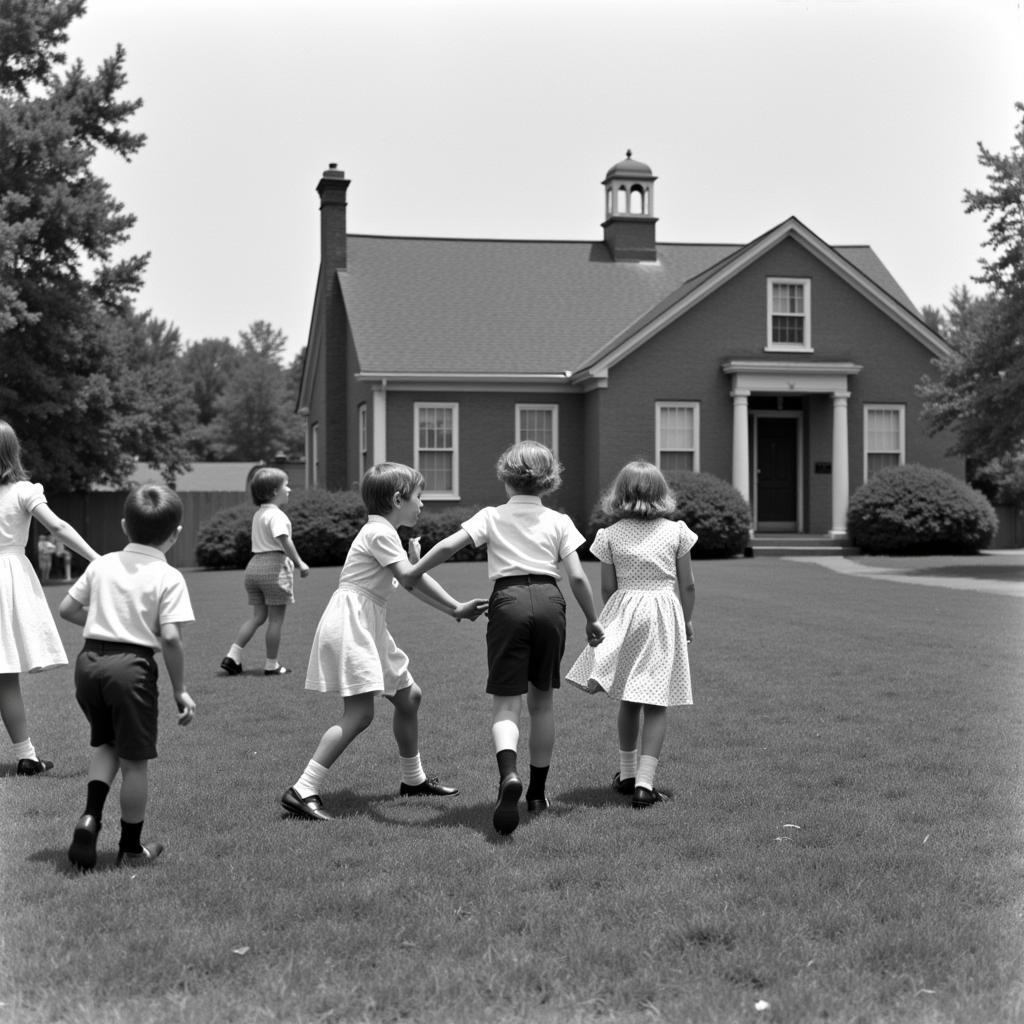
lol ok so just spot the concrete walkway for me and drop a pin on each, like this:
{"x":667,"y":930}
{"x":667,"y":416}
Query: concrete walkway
{"x":993,"y":572}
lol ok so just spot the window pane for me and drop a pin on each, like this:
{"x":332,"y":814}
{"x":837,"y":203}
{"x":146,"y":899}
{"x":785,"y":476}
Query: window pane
{"x":675,"y":462}
{"x":883,"y":430}
{"x":787,"y":330}
{"x":436,"y":468}
{"x":435,"y":427}
{"x":676,"y":427}
{"x":788,"y":298}
{"x":537,"y":425}
{"x":881,"y":460}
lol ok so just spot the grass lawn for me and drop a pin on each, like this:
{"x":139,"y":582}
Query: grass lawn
{"x":844,"y":843}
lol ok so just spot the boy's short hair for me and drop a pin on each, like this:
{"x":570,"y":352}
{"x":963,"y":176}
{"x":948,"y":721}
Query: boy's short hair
{"x":264,"y":483}
{"x":151,"y":514}
{"x":380,"y":483}
{"x":530,"y":467}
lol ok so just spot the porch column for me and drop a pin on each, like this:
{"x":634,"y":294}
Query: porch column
{"x":740,"y":448}
{"x":840,"y":464}
{"x":380,"y":424}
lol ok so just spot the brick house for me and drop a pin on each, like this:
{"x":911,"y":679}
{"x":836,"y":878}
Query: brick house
{"x":785,"y":365}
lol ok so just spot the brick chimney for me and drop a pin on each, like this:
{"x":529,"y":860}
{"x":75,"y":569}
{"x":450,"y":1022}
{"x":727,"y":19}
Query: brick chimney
{"x":333,"y":214}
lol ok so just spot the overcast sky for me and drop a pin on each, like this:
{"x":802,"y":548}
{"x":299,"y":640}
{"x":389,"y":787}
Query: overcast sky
{"x":500,"y":118}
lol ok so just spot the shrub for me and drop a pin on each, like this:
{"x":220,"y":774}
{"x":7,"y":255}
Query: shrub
{"x":914,"y":510}
{"x":324,"y":524}
{"x":436,"y":524}
{"x":712,"y":508}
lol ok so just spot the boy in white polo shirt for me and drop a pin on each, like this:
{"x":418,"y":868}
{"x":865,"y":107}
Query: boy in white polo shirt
{"x":526,"y":545}
{"x":131,"y":603}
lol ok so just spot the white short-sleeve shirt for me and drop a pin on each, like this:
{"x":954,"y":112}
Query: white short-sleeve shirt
{"x":17,"y":503}
{"x":376,"y":546}
{"x":523,"y":536}
{"x":130,"y":594}
{"x":268,"y":523}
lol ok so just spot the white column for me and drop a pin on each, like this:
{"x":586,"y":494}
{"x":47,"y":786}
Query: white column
{"x":740,"y":448}
{"x":840,"y":464}
{"x":380,"y":423}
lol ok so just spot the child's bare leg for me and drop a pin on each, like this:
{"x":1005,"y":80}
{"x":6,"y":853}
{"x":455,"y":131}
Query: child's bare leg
{"x":103,"y":764}
{"x":406,"y":722}
{"x":651,"y":739}
{"x":629,"y":733}
{"x":134,"y":794}
{"x":257,"y":617}
{"x":357,"y":715}
{"x":103,"y":767}
{"x":12,"y":707}
{"x":275,"y":623}
{"x":505,"y":733}
{"x":541,"y":706}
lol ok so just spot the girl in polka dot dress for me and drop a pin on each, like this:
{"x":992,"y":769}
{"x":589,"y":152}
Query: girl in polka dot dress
{"x":649,"y":593}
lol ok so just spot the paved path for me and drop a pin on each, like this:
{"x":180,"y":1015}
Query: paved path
{"x":886,"y":574}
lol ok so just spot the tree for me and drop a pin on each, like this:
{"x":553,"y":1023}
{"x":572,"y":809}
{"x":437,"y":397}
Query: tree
{"x":208,"y":366}
{"x":979,"y":392}
{"x":65,"y":298}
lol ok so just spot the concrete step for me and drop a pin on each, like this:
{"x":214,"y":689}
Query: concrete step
{"x":780,"y":545}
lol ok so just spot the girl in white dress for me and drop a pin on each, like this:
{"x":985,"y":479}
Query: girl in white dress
{"x":29,"y":641}
{"x":649,"y":593}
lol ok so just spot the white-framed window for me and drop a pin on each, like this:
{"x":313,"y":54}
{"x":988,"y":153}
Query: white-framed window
{"x":789,"y":314}
{"x":538,"y":423}
{"x":885,"y":437}
{"x":436,"y":447}
{"x":364,"y":435}
{"x":314,"y":455}
{"x":677,"y":436}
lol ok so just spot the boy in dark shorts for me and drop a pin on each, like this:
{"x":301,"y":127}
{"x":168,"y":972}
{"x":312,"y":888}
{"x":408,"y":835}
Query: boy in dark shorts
{"x":526,"y":545}
{"x":131,"y":603}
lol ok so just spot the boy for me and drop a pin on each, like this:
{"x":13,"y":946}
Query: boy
{"x":131,"y":603}
{"x":526,"y":545}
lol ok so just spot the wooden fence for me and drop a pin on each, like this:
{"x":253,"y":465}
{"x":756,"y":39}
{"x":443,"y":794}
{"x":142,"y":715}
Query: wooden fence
{"x":96,"y":515}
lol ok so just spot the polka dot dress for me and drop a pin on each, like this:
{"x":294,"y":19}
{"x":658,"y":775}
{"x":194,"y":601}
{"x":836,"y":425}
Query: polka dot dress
{"x":643,"y":656}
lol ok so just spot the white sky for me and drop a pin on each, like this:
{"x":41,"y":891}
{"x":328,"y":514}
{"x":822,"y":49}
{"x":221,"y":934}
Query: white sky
{"x":499,"y":119}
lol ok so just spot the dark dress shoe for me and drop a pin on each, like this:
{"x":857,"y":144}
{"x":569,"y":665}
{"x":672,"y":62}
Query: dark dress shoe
{"x":643,"y":797}
{"x":310,"y":807}
{"x":33,"y":766}
{"x":230,"y":666}
{"x":623,"y":786}
{"x":428,"y":787}
{"x":538,"y":804}
{"x":279,"y":671}
{"x":506,"y":810}
{"x":141,"y":858}
{"x":82,"y":851}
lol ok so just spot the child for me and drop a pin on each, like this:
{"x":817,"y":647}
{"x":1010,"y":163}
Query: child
{"x":353,"y":652}
{"x":45,"y":550}
{"x":268,"y":576}
{"x":29,"y":641}
{"x":647,"y":621}
{"x":526,"y":544}
{"x":131,"y":603}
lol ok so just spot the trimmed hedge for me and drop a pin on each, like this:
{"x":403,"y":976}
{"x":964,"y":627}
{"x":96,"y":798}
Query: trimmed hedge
{"x":710,"y":506}
{"x":436,"y":524}
{"x":915,"y":510}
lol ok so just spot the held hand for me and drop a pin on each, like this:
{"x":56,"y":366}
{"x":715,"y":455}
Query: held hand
{"x":595,"y":634}
{"x":303,"y":569}
{"x":471,"y":610}
{"x":689,"y":632}
{"x":186,"y":707}
{"x":414,"y":550}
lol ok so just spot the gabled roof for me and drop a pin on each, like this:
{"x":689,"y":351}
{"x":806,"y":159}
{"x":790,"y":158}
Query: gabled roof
{"x":433,"y":307}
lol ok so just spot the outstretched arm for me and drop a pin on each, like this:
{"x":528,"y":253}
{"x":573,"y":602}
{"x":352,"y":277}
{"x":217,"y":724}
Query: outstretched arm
{"x":440,"y":552}
{"x":584,"y":597}
{"x":428,"y":590}
{"x":64,"y":531}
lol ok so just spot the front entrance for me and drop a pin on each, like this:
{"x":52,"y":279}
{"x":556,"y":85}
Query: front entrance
{"x":777,"y":488}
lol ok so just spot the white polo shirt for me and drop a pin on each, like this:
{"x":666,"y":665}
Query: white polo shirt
{"x":269,"y":523}
{"x":523,"y":537}
{"x":129,"y":594}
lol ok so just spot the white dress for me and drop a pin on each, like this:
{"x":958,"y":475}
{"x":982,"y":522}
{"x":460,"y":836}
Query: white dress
{"x":643,"y":656}
{"x":29,"y":641}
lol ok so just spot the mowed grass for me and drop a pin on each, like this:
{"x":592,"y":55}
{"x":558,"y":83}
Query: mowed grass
{"x":844,"y":843}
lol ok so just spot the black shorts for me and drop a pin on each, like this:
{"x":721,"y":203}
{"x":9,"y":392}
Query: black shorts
{"x":525,"y":635}
{"x":115,"y":685}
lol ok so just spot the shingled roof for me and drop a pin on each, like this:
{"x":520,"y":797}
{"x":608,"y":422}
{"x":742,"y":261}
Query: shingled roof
{"x":493,"y":307}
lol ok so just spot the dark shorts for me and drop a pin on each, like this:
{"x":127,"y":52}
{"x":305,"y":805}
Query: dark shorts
{"x":269,"y":579}
{"x":115,"y":685}
{"x":525,"y":635}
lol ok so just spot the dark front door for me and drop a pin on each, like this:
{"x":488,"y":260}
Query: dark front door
{"x":776,"y":473}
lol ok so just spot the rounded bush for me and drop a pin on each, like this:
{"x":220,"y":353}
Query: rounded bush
{"x":710,"y":506}
{"x":436,"y":524}
{"x":324,"y":524}
{"x":915,"y":510}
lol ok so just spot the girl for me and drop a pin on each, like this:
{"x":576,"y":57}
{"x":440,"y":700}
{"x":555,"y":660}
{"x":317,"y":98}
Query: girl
{"x":353,"y":652}
{"x":28,"y":636}
{"x":649,"y":593}
{"x":269,"y":576}
{"x":526,"y":545}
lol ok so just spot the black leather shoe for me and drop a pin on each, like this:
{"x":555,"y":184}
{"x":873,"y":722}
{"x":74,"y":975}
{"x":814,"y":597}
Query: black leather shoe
{"x":33,"y":766}
{"x":310,"y":807}
{"x":643,"y":797}
{"x":623,"y":786}
{"x":428,"y":787}
{"x":279,"y":671}
{"x":538,"y":805}
{"x":142,"y":859}
{"x":82,"y":851}
{"x":506,"y":810}
{"x":230,"y":666}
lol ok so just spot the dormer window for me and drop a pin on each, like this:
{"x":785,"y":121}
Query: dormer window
{"x":789,"y":314}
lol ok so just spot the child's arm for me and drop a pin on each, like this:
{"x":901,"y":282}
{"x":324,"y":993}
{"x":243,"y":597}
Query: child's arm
{"x":584,"y":596}
{"x":174,"y":658}
{"x":428,"y":590}
{"x":74,"y":611}
{"x":609,"y":581}
{"x":440,"y":552}
{"x":64,"y":531}
{"x":288,"y":547}
{"x":687,"y":590}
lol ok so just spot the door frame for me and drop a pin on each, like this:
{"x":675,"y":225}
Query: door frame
{"x":768,"y":414}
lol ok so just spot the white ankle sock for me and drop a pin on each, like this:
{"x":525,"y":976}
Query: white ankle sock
{"x":25,"y":749}
{"x":235,"y":653}
{"x":627,"y":764}
{"x":412,"y":770}
{"x":311,"y":779}
{"x":270,"y":665}
{"x":645,"y":769}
